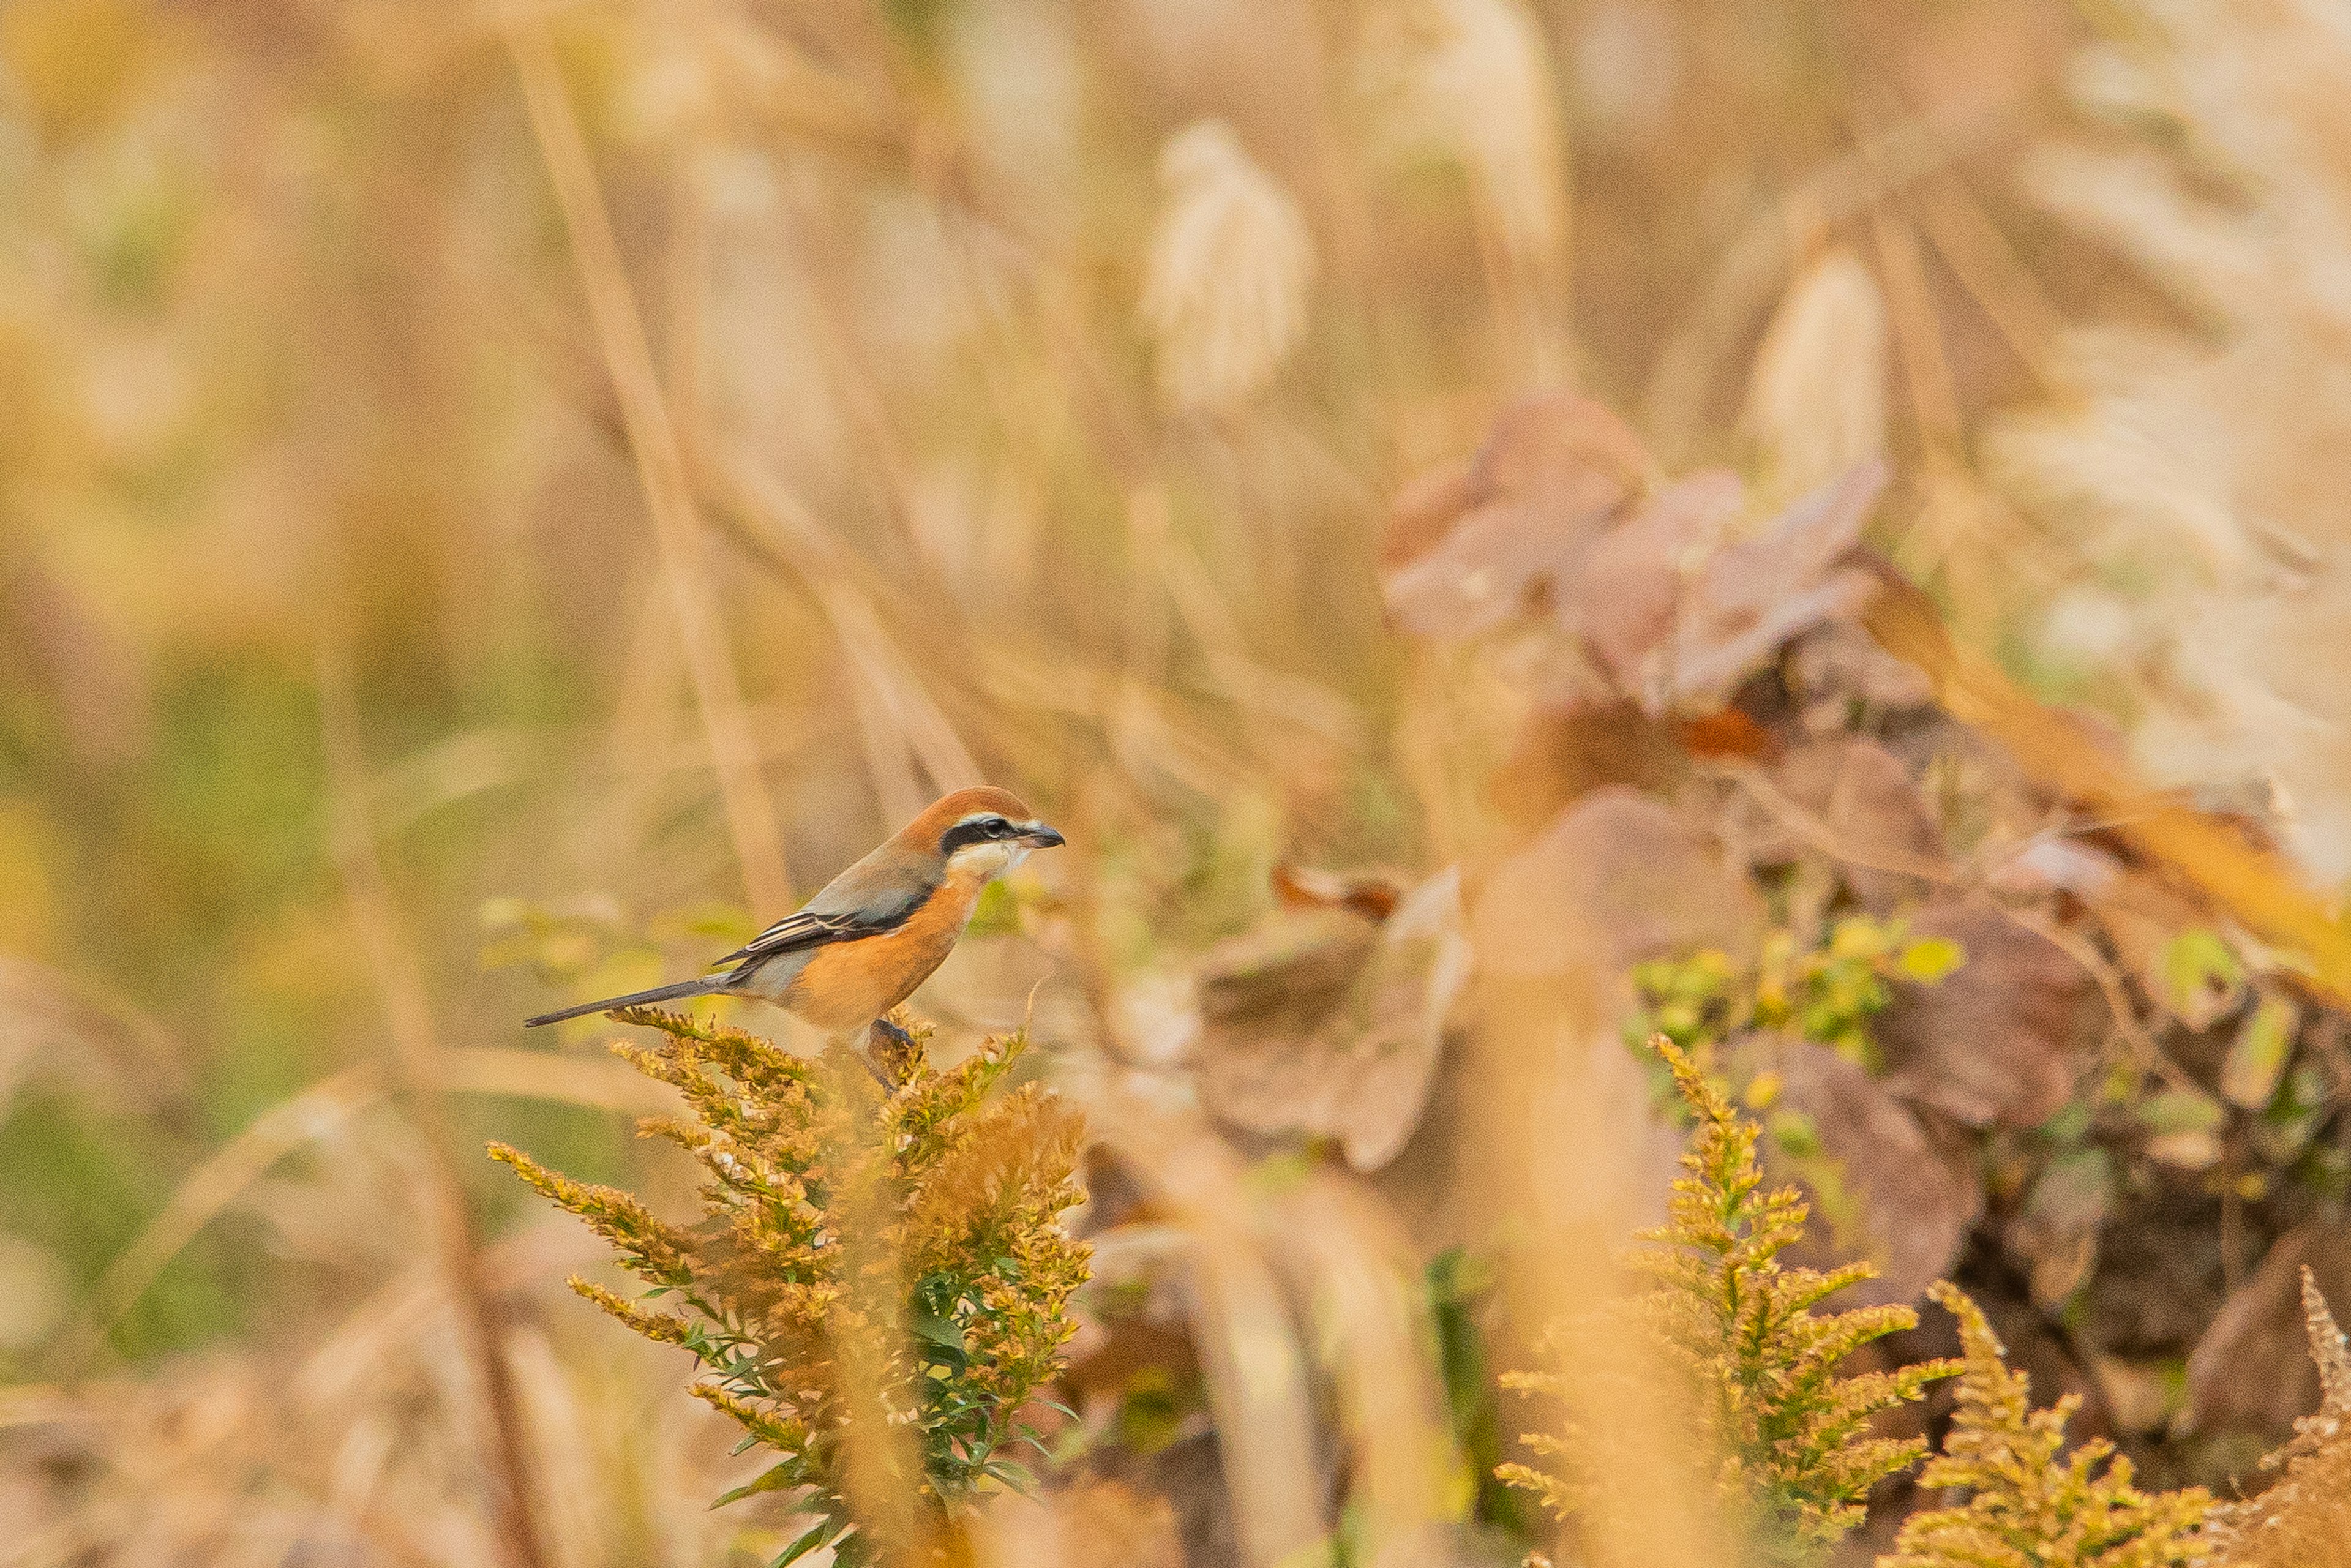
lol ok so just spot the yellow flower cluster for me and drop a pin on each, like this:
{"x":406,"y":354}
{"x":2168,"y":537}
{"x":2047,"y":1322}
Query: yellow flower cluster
{"x":1792,"y":1436}
{"x":879,"y":1284}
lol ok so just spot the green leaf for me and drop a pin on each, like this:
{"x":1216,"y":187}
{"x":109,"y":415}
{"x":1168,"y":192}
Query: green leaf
{"x":2182,"y":1110}
{"x":779,"y":1477}
{"x":1014,"y":1474}
{"x":2257,"y":1058}
{"x":1797,"y":1134}
{"x":2201,"y":977}
{"x":816,"y":1536}
{"x":940,"y":1334}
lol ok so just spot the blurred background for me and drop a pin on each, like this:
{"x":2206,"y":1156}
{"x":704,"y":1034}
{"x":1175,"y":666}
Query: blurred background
{"x":498,"y":500}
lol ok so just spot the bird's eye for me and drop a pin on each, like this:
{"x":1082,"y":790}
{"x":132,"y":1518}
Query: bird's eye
{"x":998,"y":828}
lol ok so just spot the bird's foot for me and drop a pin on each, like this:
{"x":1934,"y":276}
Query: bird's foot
{"x":891,"y":1055}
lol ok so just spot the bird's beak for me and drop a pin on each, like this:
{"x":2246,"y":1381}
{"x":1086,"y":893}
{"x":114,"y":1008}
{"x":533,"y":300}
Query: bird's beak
{"x":1037,"y":835}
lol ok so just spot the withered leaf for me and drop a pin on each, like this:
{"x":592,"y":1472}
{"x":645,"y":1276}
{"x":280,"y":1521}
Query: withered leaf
{"x":1679,"y":616}
{"x":1557,"y":519}
{"x":1726,"y":733}
{"x":1367,"y":894}
{"x":1339,"y":1035}
{"x":1862,"y":795}
{"x":1880,"y":1188}
{"x":1618,"y":878}
{"x":2251,"y":1371}
{"x":1470,"y":547}
{"x":1999,"y":1040}
{"x":1286,"y":971}
{"x":1563,"y":752}
{"x":1641,"y":573}
{"x":1840,"y":664}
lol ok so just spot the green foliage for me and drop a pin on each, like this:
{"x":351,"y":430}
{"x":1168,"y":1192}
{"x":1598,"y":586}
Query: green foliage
{"x":1457,"y":1287}
{"x":1791,"y":1435}
{"x":2201,"y":974}
{"x":873,"y":1275}
{"x":1827,"y":993}
{"x":2033,"y":1506}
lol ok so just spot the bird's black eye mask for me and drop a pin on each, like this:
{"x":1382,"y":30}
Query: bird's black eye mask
{"x":975,"y":831}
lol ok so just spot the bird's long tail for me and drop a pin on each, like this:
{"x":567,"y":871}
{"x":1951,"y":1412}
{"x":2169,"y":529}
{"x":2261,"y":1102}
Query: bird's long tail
{"x":703,"y":986}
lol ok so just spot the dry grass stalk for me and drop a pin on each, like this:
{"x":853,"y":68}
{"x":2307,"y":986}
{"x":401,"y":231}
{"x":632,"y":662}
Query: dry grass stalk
{"x":1471,"y":81}
{"x":661,"y":464}
{"x":1255,"y":1369}
{"x":1556,"y":1139}
{"x":224,"y":1176}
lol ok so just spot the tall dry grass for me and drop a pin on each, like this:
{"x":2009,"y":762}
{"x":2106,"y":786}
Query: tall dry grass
{"x":706,"y":432}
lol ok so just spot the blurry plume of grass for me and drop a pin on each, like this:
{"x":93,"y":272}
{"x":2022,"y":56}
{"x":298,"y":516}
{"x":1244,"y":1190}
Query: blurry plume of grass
{"x":1796,"y":1460}
{"x":1471,"y":81}
{"x":2185,"y":450}
{"x":880,"y":1285}
{"x":1817,"y":403}
{"x":1230,"y":264}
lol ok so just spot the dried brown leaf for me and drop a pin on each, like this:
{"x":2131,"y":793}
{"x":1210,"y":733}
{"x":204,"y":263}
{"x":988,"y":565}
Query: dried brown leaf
{"x":1864,"y":802}
{"x":1286,"y":972}
{"x":1881,"y":1187}
{"x":1353,"y":1060}
{"x":1680,"y":612}
{"x":1616,"y":879}
{"x":2251,"y":1371}
{"x":1368,"y":893}
{"x":1999,"y":1040}
{"x":1469,"y":548}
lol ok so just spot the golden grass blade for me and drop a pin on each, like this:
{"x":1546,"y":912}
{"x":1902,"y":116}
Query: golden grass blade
{"x":1250,"y":1354}
{"x":1925,"y":365}
{"x":791,"y":540}
{"x":1680,"y":397}
{"x":45,"y":1014}
{"x":602,"y":1083}
{"x":1559,"y":1137}
{"x":1345,"y":1255}
{"x":1472,"y":79}
{"x":565,"y":1468}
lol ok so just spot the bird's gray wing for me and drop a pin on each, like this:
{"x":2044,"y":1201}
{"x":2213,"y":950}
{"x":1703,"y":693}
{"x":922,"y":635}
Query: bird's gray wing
{"x":885,"y":909}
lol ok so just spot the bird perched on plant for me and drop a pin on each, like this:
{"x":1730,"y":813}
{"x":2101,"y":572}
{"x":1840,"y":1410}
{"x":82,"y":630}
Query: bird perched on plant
{"x":876,"y":931}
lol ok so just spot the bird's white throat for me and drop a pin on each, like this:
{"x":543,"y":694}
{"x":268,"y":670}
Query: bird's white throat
{"x":986,"y":861}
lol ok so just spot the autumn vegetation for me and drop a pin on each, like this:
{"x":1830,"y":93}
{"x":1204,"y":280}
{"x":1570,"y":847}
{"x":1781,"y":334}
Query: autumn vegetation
{"x":1690,"y":652}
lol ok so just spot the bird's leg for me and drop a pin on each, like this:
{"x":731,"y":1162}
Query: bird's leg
{"x":890,"y":1054}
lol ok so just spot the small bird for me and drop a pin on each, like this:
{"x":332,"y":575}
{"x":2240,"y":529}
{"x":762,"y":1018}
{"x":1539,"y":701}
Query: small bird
{"x":876,"y":931}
